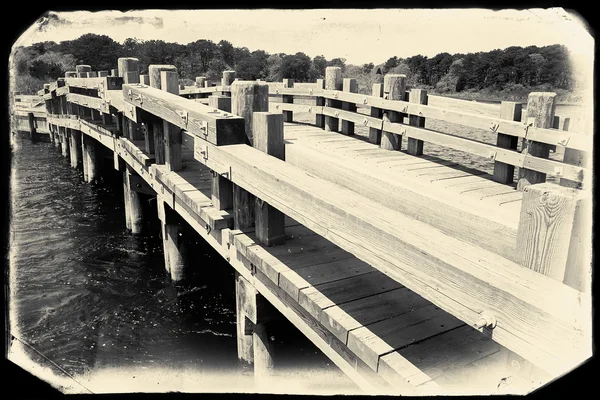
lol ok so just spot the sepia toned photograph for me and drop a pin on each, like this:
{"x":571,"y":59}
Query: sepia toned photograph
{"x":377,"y":201}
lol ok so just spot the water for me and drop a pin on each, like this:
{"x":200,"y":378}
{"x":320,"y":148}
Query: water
{"x":91,"y":297}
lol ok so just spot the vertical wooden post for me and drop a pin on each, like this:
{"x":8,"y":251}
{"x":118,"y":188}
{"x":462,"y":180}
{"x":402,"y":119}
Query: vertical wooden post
{"x":157,"y":126}
{"x":102,"y":74}
{"x":84,"y":163}
{"x":554,"y":233}
{"x":415,"y":146}
{"x":288,"y":116}
{"x":220,"y":102}
{"x":90,"y":158}
{"x":114,"y":72}
{"x":222,"y":188}
{"x":32,"y":130}
{"x":540,"y":113}
{"x":375,"y":134}
{"x":572,"y":156}
{"x":268,"y":138}
{"x":173,"y":138}
{"x":75,"y":146}
{"x":247,"y":97}
{"x":64,"y":141}
{"x":394,"y":88}
{"x":504,"y":173}
{"x":320,"y":101}
{"x":145,"y":79}
{"x":253,"y":312}
{"x":92,"y":74}
{"x":133,"y":210}
{"x":200,"y":81}
{"x":333,"y":81}
{"x":126,"y":199}
{"x":127,"y":64}
{"x":82,"y":70}
{"x":227,"y":80}
{"x":173,"y":241}
{"x":349,"y":85}
{"x":71,"y":74}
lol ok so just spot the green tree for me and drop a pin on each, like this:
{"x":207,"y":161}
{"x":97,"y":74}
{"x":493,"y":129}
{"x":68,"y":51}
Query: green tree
{"x":227,"y":52}
{"x":319,"y":64}
{"x":296,"y":67}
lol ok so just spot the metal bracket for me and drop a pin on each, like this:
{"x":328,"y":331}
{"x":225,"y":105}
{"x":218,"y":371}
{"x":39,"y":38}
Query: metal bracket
{"x":492,"y":155}
{"x":208,"y":228}
{"x":310,"y":91}
{"x":365,"y":121}
{"x":486,"y":320}
{"x":494,"y":127}
{"x":204,"y":128}
{"x":564,"y":142}
{"x":277,"y":106}
{"x":558,"y":171}
{"x":184,"y":116}
{"x":138,"y":97}
{"x":365,"y":100}
{"x":336,"y":114}
{"x":336,"y":95}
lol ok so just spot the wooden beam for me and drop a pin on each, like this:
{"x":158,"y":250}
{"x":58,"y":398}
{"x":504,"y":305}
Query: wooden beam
{"x":536,"y":317}
{"x":218,"y":127}
{"x":394,"y":87}
{"x":248,"y":97}
{"x":319,"y":102}
{"x":333,"y":81}
{"x":127,"y":64}
{"x":220,"y":102}
{"x":415,"y":146}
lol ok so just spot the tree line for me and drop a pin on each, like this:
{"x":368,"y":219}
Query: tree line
{"x":513,"y":68}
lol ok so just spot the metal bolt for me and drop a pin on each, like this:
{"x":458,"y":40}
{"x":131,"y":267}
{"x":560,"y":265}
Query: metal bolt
{"x":486,"y":320}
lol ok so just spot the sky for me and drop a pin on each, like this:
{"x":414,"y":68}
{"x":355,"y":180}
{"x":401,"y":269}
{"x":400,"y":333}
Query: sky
{"x":359,"y":36}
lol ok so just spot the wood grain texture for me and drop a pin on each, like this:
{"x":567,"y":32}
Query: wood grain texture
{"x":288,"y":116}
{"x":503,"y":172}
{"x":394,"y":87}
{"x":415,"y":146}
{"x":550,"y":239}
{"x":248,"y":97}
{"x":525,"y":304}
{"x":333,"y":81}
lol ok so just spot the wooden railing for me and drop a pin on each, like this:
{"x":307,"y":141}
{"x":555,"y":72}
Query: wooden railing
{"x":523,"y":305}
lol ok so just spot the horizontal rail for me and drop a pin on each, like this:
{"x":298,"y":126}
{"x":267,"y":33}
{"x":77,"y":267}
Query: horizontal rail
{"x":216,"y":126}
{"x":89,"y":101}
{"x":188,"y":90}
{"x":296,"y":108}
{"x":537,"y":317}
{"x":492,"y":152}
{"x":102,"y":84}
{"x":571,"y":140}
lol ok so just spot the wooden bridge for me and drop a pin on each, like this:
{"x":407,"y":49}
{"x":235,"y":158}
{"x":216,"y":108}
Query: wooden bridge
{"x":413,"y":273}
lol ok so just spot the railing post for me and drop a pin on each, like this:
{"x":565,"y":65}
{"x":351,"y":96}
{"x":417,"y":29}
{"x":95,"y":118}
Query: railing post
{"x":268,"y":138}
{"x":333,"y":81}
{"x":92,"y":74}
{"x":220,"y":102}
{"x":222,"y":188}
{"x":102,"y":74}
{"x":82,"y":70}
{"x":504,"y":173}
{"x":394,"y":88}
{"x":71,"y":74}
{"x":554,"y":231}
{"x":247,"y":97}
{"x":374,"y":133}
{"x":127,"y":65}
{"x":288,"y":116}
{"x":320,"y":101}
{"x":540,"y":114}
{"x":172,"y":133}
{"x":155,"y":127}
{"x":572,"y":156}
{"x":32,"y":130}
{"x":145,"y":79}
{"x":114,"y":72}
{"x":349,"y":85}
{"x":200,"y":81}
{"x":415,"y":146}
{"x":227,"y":80}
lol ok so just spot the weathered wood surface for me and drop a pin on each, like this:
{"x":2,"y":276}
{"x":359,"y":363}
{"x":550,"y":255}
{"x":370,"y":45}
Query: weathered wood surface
{"x":217,"y":127}
{"x":525,"y":304}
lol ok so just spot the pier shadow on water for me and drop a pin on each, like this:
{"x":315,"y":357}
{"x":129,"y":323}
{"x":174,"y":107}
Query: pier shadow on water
{"x":95,"y":301}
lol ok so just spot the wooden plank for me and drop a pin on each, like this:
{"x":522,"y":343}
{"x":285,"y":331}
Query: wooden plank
{"x":446,"y":211}
{"x":217,"y":127}
{"x":509,"y":110}
{"x":317,"y":298}
{"x":333,"y":81}
{"x":349,"y":85}
{"x":293,"y":281}
{"x":341,"y":319}
{"x":375,"y":340}
{"x":529,"y":308}
{"x":415,"y":146}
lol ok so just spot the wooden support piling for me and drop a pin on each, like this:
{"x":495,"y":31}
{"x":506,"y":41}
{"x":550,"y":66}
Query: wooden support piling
{"x":32,"y":129}
{"x":90,"y":159}
{"x":288,"y":116}
{"x":172,"y":133}
{"x":133,"y":203}
{"x":333,"y":81}
{"x":64,"y":141}
{"x":540,"y":114}
{"x":415,"y":146}
{"x":349,"y":85}
{"x":268,"y":138}
{"x":75,"y":148}
{"x":394,"y":88}
{"x":173,"y":241}
{"x":510,"y":110}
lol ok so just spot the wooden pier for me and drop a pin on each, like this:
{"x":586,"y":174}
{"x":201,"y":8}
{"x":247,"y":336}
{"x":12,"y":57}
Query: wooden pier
{"x":413,"y":274}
